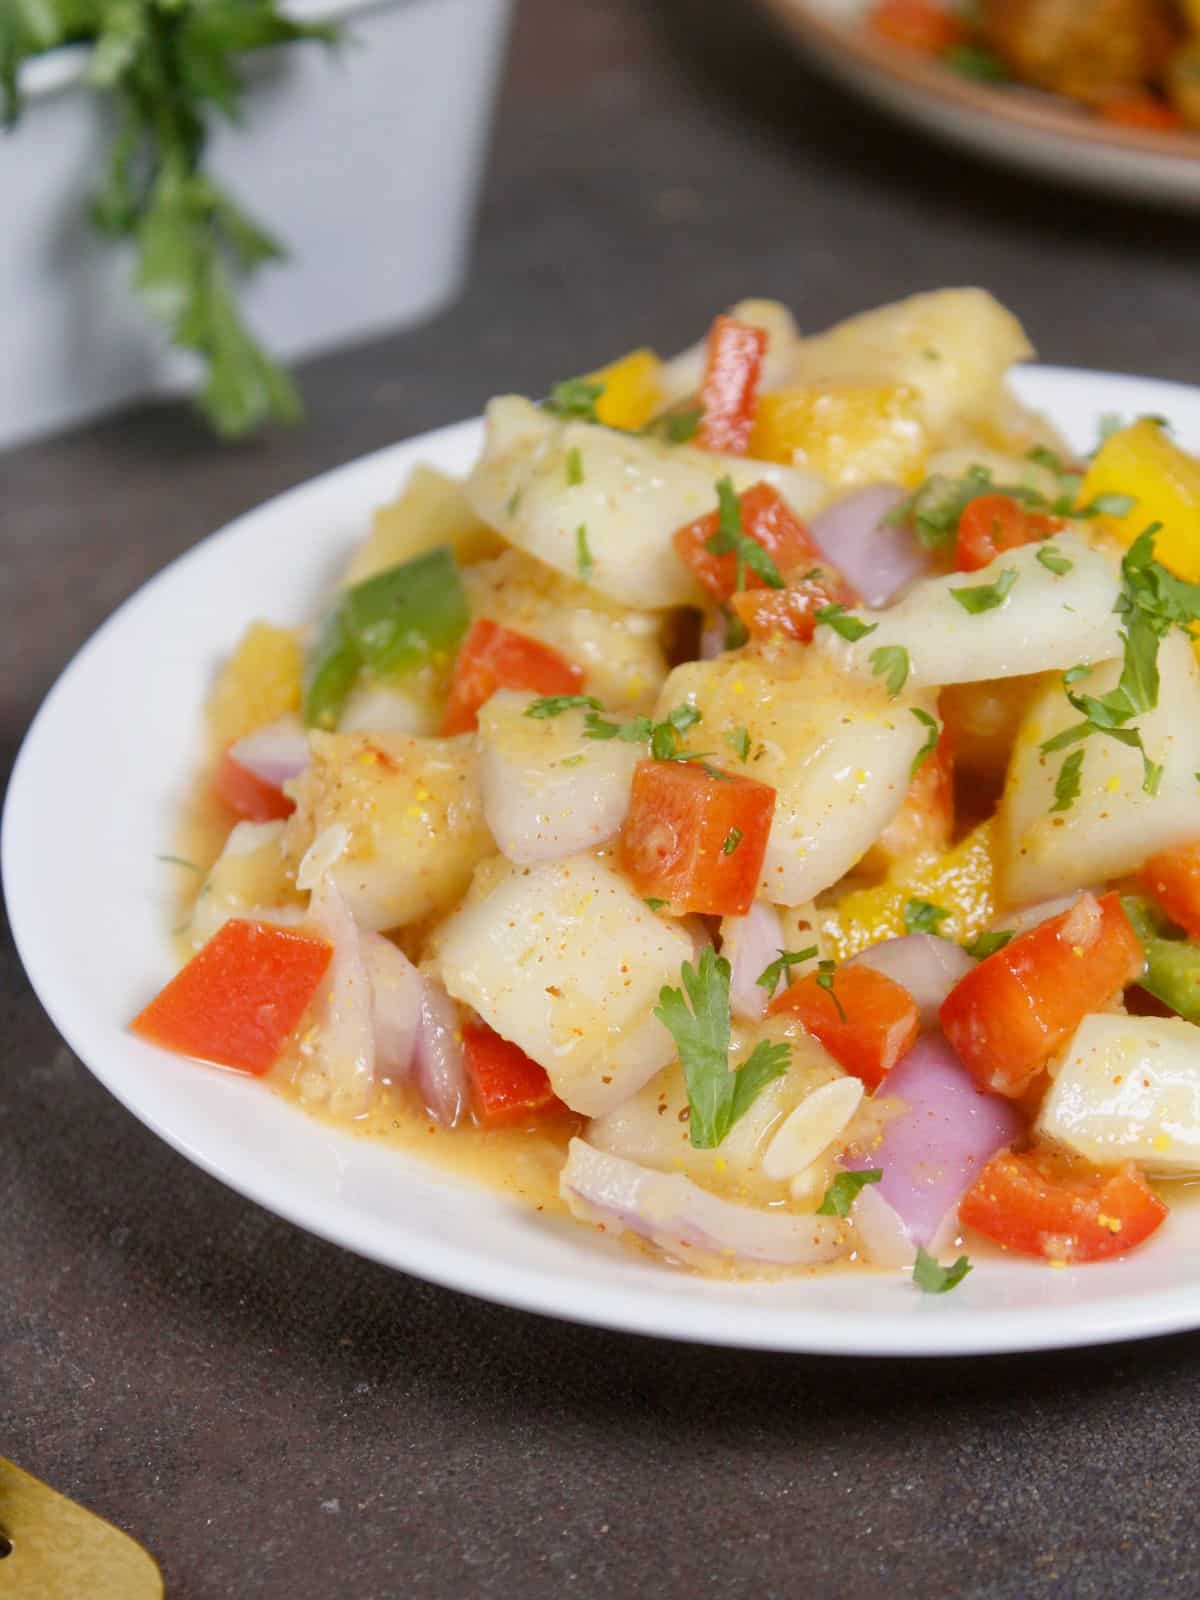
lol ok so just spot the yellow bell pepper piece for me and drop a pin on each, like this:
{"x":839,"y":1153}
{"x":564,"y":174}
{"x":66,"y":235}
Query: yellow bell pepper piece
{"x":960,"y":882}
{"x":1144,"y":462}
{"x":259,"y":683}
{"x":848,"y":434}
{"x":632,"y":390}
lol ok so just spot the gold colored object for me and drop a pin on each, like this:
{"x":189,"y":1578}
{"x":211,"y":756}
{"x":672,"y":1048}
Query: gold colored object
{"x":52,"y":1549}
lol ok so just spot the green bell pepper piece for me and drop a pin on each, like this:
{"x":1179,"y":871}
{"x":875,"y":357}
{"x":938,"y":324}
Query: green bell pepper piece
{"x":329,"y":673}
{"x":404,"y":617}
{"x":1172,"y":972}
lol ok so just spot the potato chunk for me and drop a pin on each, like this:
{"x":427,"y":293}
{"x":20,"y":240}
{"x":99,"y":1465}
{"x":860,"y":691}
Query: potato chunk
{"x":1114,"y":824}
{"x":250,"y":878}
{"x":836,"y":750}
{"x":566,"y":961}
{"x":413,"y":821}
{"x":629,"y":493}
{"x":430,"y":510}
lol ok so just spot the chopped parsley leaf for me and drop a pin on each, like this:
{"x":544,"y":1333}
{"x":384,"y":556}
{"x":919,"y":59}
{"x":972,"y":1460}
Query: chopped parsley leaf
{"x":769,"y":977}
{"x":583,"y":556}
{"x":840,"y":620}
{"x":738,"y":740}
{"x":1066,"y":785}
{"x":986,"y":944}
{"x":731,"y":537}
{"x":553,"y":705}
{"x":732,"y":839}
{"x":654,"y":902}
{"x":922,"y":916}
{"x":825,"y":972}
{"x":576,"y":398}
{"x":931,"y":739}
{"x":845,"y":1190}
{"x":932,"y":1278}
{"x":890,"y":662}
{"x":1054,"y":561}
{"x":574,"y":467}
{"x":986,"y":596}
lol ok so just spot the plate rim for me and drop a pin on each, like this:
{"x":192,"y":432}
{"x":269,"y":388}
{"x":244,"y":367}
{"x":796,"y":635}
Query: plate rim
{"x":1032,"y":111}
{"x":568,"y":1295}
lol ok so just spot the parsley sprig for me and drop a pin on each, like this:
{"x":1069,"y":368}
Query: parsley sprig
{"x":170,"y":68}
{"x":574,"y":398}
{"x":932,"y":1278}
{"x":698,"y":1019}
{"x":730,"y":537}
{"x":769,"y":977}
{"x":845,"y":1190}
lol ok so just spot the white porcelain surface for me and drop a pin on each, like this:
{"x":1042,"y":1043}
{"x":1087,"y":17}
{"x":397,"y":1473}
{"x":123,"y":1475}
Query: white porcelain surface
{"x":1019,"y":127}
{"x":80,"y":865}
{"x":365,"y":161}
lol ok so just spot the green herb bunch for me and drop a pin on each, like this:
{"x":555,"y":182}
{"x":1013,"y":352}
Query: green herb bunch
{"x":169,"y":67}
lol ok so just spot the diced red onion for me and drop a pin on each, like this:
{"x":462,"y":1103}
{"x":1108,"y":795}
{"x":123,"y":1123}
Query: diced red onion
{"x":274,"y":753}
{"x":883,"y":1237}
{"x":928,"y":967}
{"x":712,"y":636}
{"x":395,"y":1004}
{"x":750,"y":944}
{"x":876,"y":557}
{"x":438,"y":1057}
{"x":933,"y":1150}
{"x":679,"y":1216}
{"x":345,"y":1051}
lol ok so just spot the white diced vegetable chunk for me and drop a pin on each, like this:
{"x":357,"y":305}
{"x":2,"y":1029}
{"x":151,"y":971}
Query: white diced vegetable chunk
{"x":566,"y":961}
{"x":1128,"y":1089}
{"x":1047,"y":620}
{"x":1114,"y":824}
{"x":630,"y":494}
{"x":549,"y":790}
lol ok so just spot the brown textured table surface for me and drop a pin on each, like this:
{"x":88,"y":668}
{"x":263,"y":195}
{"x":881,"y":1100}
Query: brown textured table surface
{"x":275,"y":1418}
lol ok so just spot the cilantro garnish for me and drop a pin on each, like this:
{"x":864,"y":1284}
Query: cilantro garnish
{"x":583,"y":556}
{"x":825,"y":972}
{"x":1107,"y":505}
{"x":553,"y":705}
{"x":738,"y":740}
{"x":513,"y":501}
{"x":181,"y":861}
{"x":678,"y":426}
{"x":1054,"y":561}
{"x":736,"y":631}
{"x":1066,"y":785}
{"x":845,"y":1190}
{"x":986,"y":944}
{"x":932,"y":1278}
{"x":731,"y":841}
{"x":730,"y":537}
{"x":890,"y":662}
{"x":632,"y":732}
{"x":986,"y":596}
{"x":654,"y":902}
{"x":931,"y":739}
{"x":841,"y":621}
{"x":769,"y":977}
{"x":700,"y":1026}
{"x":663,"y":736}
{"x":922,"y":916}
{"x":574,"y":467}
{"x":574,"y":397}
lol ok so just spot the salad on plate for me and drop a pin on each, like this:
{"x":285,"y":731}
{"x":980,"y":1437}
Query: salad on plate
{"x":757,"y":812}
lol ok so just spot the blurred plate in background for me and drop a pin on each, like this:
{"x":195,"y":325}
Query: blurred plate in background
{"x":1022,"y":127}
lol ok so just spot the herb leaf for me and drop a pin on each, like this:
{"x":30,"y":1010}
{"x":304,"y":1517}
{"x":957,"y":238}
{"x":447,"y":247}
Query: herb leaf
{"x":730,"y":537}
{"x":825,"y":973}
{"x":583,"y":556}
{"x":845,"y":1190}
{"x":576,"y":398}
{"x":738,"y":740}
{"x":840,"y":620}
{"x":922,"y":916}
{"x":698,"y":1019}
{"x":1066,"y":785}
{"x":553,"y":705}
{"x":769,"y":977}
{"x":574,"y":467}
{"x":986,"y":596}
{"x":1054,"y":561}
{"x":932,"y":1278}
{"x":931,"y":739}
{"x":986,"y":944}
{"x":890,"y":662}
{"x":731,"y":841}
{"x":677,"y":426}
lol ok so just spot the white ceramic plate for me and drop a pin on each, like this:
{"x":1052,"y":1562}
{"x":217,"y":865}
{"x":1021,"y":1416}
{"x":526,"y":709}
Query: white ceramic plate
{"x":1023,"y":128}
{"x":75,"y":867}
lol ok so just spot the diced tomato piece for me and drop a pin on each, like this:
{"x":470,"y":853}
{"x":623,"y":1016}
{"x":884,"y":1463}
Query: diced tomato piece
{"x":247,"y":795}
{"x":240,"y":998}
{"x":866,"y":1023}
{"x":508,"y":1089}
{"x":994,"y":523}
{"x":924,"y":824}
{"x":1173,"y":878}
{"x":491,"y":658}
{"x":1009,"y":1015}
{"x":1142,"y":111}
{"x":916,"y":25}
{"x":769,"y":521}
{"x":729,"y":392}
{"x":1042,"y":1204}
{"x":696,"y":838}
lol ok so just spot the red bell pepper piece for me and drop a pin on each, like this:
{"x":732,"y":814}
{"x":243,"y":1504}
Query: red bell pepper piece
{"x":769,"y":521}
{"x":994,"y":523}
{"x":508,"y":1089}
{"x":696,"y":838}
{"x":1009,"y":1015}
{"x":729,"y":392}
{"x":1173,"y":878}
{"x":1045,"y":1205}
{"x":247,"y":795}
{"x":491,"y":658}
{"x":866,"y":1020}
{"x":240,"y":998}
{"x":916,"y":25}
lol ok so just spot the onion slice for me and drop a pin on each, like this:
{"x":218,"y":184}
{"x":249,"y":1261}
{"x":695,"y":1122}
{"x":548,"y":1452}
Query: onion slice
{"x":928,"y":967}
{"x":932,"y":1151}
{"x":750,"y":944}
{"x":438,"y":1057}
{"x":884,"y":1238}
{"x":396,"y":993}
{"x":875,"y":556}
{"x":341,"y":1063}
{"x":274,"y":753}
{"x":680,"y":1217}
